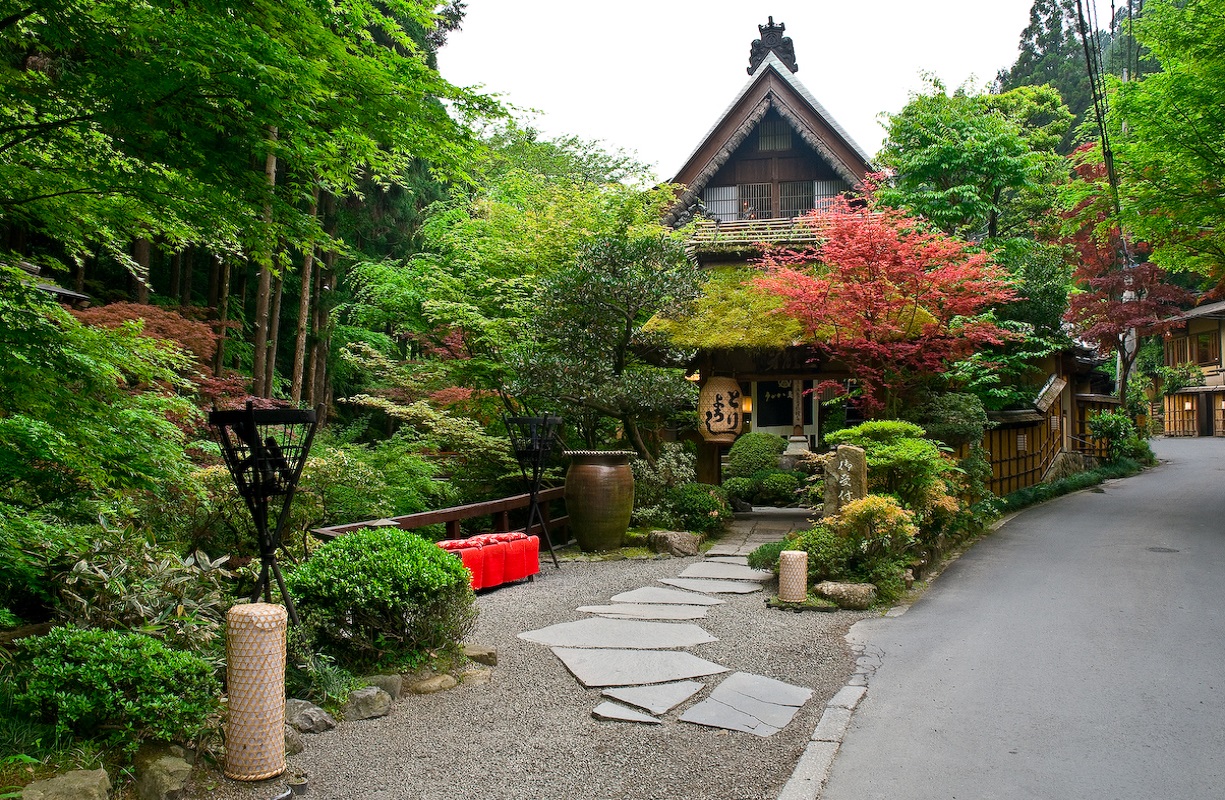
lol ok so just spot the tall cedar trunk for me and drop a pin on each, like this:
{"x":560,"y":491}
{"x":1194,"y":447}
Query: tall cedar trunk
{"x":320,"y":381}
{"x":274,"y":327}
{"x":263,"y":296}
{"x":79,"y":277}
{"x":304,"y":311}
{"x":189,"y":257}
{"x":176,"y":274}
{"x":214,"y":282}
{"x":140,"y":254}
{"x":312,"y":361}
{"x":323,"y":336}
{"x":221,"y":268}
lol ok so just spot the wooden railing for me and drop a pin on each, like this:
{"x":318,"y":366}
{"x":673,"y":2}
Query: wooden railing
{"x":452,"y":517}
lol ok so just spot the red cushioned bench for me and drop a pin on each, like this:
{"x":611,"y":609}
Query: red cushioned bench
{"x":497,"y":558}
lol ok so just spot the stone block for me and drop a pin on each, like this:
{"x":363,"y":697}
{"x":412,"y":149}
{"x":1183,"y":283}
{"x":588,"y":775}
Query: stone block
{"x":392,"y":684}
{"x":307,"y":717}
{"x":79,"y":784}
{"x":857,"y":596}
{"x":674,"y":543}
{"x":438,"y":683}
{"x":481,"y":654}
{"x":368,"y":702}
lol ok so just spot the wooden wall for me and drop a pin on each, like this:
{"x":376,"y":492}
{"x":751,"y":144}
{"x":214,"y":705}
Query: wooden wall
{"x":1181,"y":411}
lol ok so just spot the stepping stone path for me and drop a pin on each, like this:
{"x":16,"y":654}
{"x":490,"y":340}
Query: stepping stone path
{"x":628,"y":633}
{"x":654,"y":594}
{"x":643,"y":664}
{"x":646,"y":611}
{"x":708,"y":585}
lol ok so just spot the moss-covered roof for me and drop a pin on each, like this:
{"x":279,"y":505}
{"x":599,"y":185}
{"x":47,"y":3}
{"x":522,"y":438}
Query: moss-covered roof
{"x":731,"y":314}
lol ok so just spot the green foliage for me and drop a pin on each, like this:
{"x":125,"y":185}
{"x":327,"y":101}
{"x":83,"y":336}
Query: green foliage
{"x":33,"y":551}
{"x":754,"y":452}
{"x":312,"y":676}
{"x":1179,"y":377}
{"x":953,"y":418}
{"x":144,"y":119}
{"x":900,"y":461}
{"x":81,"y":408}
{"x":870,"y":540}
{"x":586,"y":336}
{"x":742,"y":489}
{"x":1006,"y":377}
{"x":673,"y":466}
{"x":779,"y":489}
{"x":123,"y":581}
{"x":380,"y":597}
{"x":698,"y":507}
{"x":1117,"y":429}
{"x":829,"y":554}
{"x":730,"y":313}
{"x":121,"y":688}
{"x":965,"y":161}
{"x":1169,"y":140}
{"x":8,"y":619}
{"x":766,"y":556}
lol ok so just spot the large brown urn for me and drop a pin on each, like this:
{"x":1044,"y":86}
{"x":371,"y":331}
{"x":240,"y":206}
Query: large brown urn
{"x":599,"y":497}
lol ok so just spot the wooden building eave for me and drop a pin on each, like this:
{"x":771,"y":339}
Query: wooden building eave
{"x":772,"y":86}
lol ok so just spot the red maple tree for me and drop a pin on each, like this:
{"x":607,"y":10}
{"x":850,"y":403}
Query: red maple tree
{"x":888,"y":298}
{"x":1121,"y":300}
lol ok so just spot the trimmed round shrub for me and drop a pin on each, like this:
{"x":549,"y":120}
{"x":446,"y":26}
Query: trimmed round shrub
{"x":384,"y":597}
{"x":699,"y":507}
{"x":829,"y":553}
{"x":743,"y":489}
{"x":754,"y":452}
{"x":779,"y":489}
{"x":114,"y":686}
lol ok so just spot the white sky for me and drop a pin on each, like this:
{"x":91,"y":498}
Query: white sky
{"x":653,"y":77}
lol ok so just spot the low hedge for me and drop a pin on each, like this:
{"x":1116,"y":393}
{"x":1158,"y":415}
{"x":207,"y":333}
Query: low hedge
{"x":117,"y":687}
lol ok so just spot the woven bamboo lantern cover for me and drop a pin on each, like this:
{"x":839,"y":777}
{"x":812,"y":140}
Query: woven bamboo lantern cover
{"x":720,"y":417}
{"x":793,"y":576}
{"x":255,"y":672}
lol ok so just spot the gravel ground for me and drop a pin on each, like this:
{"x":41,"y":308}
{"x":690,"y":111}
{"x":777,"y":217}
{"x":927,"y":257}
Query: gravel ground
{"x":529,"y":732}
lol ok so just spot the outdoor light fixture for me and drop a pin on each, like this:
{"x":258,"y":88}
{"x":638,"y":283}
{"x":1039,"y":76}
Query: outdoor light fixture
{"x":265,"y":450}
{"x":533,"y":439}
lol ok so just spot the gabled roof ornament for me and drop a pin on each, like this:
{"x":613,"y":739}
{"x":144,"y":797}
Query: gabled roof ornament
{"x":772,"y":39}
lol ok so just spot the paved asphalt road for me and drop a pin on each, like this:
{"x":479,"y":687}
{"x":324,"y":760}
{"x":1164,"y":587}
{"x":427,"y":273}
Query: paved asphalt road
{"x":1078,"y":652}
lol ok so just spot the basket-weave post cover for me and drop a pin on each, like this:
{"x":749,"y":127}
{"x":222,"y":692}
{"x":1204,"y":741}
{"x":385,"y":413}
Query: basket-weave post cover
{"x":255,"y":672}
{"x":793,"y":576}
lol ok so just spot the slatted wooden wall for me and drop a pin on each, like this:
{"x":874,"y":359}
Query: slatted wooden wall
{"x":1182,"y":415}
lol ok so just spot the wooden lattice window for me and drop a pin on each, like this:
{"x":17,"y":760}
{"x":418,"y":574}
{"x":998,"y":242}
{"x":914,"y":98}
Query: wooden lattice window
{"x":1177,"y":351}
{"x":795,"y":198}
{"x":774,"y":134}
{"x":721,"y":203}
{"x":828,"y":190}
{"x":756,"y":200}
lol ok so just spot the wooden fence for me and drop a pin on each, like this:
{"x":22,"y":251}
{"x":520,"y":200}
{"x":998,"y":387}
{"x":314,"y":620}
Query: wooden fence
{"x":500,"y":510}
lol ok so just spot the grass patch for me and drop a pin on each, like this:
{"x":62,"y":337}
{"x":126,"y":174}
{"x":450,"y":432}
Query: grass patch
{"x":1040,"y":493}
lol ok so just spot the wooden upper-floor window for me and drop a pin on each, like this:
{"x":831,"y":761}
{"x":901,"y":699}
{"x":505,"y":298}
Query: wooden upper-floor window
{"x":1207,"y":348}
{"x":1201,"y":349}
{"x":770,"y":200}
